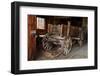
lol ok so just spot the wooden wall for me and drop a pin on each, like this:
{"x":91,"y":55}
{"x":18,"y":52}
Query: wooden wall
{"x":31,"y":37}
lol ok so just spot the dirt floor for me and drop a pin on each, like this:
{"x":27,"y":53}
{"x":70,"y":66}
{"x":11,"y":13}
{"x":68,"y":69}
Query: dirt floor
{"x":76,"y":53}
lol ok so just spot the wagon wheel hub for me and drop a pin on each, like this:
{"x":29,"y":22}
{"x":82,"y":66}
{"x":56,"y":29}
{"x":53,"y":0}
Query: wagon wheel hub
{"x":67,"y":45}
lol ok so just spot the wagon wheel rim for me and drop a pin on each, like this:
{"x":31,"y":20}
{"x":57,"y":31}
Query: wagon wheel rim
{"x":50,"y":54}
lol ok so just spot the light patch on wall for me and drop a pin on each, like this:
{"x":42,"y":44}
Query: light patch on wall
{"x":40,"y":23}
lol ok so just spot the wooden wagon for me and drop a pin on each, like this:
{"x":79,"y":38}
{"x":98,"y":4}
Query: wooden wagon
{"x":63,"y":42}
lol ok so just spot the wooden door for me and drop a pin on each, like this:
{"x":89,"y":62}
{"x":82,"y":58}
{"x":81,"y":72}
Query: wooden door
{"x":31,"y":37}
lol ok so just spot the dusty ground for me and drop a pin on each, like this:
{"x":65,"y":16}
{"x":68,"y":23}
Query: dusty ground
{"x":76,"y":53}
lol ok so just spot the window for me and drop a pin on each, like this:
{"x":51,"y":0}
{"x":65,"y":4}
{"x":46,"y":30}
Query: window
{"x":40,"y":23}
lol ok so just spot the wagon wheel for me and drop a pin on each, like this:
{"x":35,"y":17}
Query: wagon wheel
{"x":67,"y":45}
{"x":45,"y":44}
{"x":48,"y":51}
{"x":53,"y":54}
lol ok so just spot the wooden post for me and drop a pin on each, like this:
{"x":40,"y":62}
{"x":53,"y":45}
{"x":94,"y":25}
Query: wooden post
{"x":68,"y":28}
